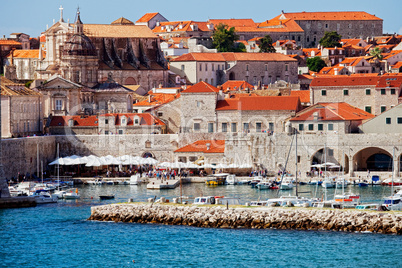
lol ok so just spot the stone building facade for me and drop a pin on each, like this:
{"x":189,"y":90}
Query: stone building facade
{"x":21,"y":110}
{"x":254,"y":68}
{"x":90,"y":53}
{"x":353,"y":24}
{"x":372,"y":93}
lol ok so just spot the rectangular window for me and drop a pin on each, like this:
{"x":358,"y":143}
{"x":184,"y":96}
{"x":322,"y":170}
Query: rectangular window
{"x":197,"y":126}
{"x":266,"y":67}
{"x":383,"y":91}
{"x":330,"y":126}
{"x":120,"y":132}
{"x":234,"y":127}
{"x":106,"y":132}
{"x":213,"y":67}
{"x":399,"y":120}
{"x":310,"y":127}
{"x":210,"y":127}
{"x":106,"y":121}
{"x":392,"y":91}
{"x":286,"y":67}
{"x":258,"y":127}
{"x":383,"y":109}
{"x":200,"y":66}
{"x":301,"y":127}
{"x":224,"y":127}
{"x":271,"y":127}
{"x":182,"y":67}
{"x":388,"y":120}
{"x":345,"y":92}
{"x":323,"y":92}
{"x":206,"y":66}
{"x":245,"y":126}
{"x":368,"y":91}
{"x":368,"y":109}
{"x":330,"y":152}
{"x":320,"y":127}
{"x":246,"y":67}
{"x":59,"y":105}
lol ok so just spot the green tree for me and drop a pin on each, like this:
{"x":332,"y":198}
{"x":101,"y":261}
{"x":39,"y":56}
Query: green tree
{"x":240,"y":47}
{"x":331,"y":39}
{"x":224,"y":38}
{"x":266,"y":45}
{"x":376,"y":53}
{"x":315,"y":64}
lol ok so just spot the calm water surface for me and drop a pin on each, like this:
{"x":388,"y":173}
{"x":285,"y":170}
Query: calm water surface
{"x":58,"y":235}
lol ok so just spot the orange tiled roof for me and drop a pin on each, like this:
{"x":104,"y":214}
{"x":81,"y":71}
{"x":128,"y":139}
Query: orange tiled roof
{"x":234,"y":22}
{"x":305,"y":76}
{"x":10,"y":43}
{"x":307,"y":52}
{"x":93,"y":120}
{"x":9,"y":88}
{"x":260,"y":103}
{"x":147,"y":17}
{"x":354,"y":42}
{"x":236,"y":85}
{"x":282,"y":42}
{"x":215,"y":146}
{"x":331,"y":70}
{"x":27,"y":53}
{"x":201,"y":87}
{"x":337,"y":15}
{"x":397,"y":65}
{"x":340,"y":111}
{"x":343,"y":80}
{"x":42,"y":38}
{"x":304,"y":95}
{"x":390,"y":80}
{"x":180,"y":26}
{"x":279,"y":25}
{"x":157,"y":99}
{"x":86,"y":121}
{"x":123,"y":21}
{"x":118,"y":31}
{"x":352,"y":61}
{"x":392,"y":53}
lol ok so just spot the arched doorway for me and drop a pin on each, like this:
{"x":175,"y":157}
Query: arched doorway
{"x":373,"y":159}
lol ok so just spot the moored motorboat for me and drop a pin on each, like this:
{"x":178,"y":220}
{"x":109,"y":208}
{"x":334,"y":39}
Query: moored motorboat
{"x":71,"y":194}
{"x":104,"y":197}
{"x":43,"y":197}
{"x":287,"y":184}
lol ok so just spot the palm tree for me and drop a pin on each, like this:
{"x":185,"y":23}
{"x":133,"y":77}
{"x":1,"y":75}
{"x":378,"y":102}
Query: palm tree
{"x":376,"y":53}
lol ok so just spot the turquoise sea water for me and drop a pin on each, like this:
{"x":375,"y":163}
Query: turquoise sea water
{"x":58,"y":235}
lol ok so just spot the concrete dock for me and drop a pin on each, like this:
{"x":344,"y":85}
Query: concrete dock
{"x":17,"y":202}
{"x":165,"y":184}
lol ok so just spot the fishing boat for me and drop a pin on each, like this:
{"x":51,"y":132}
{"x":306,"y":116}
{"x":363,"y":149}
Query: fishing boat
{"x":256,"y":180}
{"x":287,"y":184}
{"x":267,"y":185}
{"x":216,"y":179}
{"x":231,"y":179}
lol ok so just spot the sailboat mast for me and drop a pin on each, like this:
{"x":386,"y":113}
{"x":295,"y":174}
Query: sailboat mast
{"x":58,"y":167}
{"x":325,"y":170}
{"x":297,"y":194}
{"x":392,"y":183}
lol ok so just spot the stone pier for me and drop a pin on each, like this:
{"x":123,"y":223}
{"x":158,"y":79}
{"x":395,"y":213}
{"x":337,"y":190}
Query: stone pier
{"x":252,"y":217}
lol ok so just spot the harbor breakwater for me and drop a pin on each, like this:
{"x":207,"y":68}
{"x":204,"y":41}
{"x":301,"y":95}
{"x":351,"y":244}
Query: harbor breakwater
{"x":256,"y":218}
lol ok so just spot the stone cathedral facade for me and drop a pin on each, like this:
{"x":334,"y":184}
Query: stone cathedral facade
{"x":88,"y":54}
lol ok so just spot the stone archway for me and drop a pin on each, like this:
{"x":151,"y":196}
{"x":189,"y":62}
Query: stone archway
{"x":148,"y":154}
{"x":319,"y":157}
{"x":373,"y":159}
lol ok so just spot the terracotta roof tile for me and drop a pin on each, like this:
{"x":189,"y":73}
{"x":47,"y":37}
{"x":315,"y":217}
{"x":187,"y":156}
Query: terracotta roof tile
{"x":85,"y":121}
{"x":118,"y":31}
{"x":337,"y":15}
{"x":236,"y":85}
{"x":201,"y":87}
{"x":279,"y":25}
{"x":27,"y":53}
{"x":343,"y":80}
{"x":9,"y":88}
{"x":10,"y":43}
{"x":234,"y":22}
{"x":304,"y":95}
{"x":260,"y":103}
{"x":215,"y":146}
{"x":147,"y":17}
{"x":123,"y":21}
{"x":157,"y":99}
{"x":341,"y":111}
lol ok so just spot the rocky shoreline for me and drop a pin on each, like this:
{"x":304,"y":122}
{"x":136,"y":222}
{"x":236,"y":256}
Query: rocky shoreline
{"x":256,"y":218}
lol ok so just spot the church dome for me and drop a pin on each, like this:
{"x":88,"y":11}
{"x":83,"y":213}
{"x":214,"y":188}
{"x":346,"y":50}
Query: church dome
{"x":79,"y":45}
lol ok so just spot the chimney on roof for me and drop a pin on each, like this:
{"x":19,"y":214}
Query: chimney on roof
{"x":158,"y":23}
{"x":315,"y":115}
{"x":336,"y":71}
{"x":208,"y":146}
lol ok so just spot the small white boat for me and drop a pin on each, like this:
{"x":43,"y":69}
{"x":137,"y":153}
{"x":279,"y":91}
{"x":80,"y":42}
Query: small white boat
{"x":14,"y":191}
{"x":287,"y":184}
{"x":258,"y":203}
{"x":204,"y":200}
{"x":59,"y":194}
{"x":328,"y":183}
{"x":43,"y":197}
{"x":135,"y":179}
{"x":341,"y":182}
{"x":71,"y":194}
{"x":231,"y":179}
{"x":372,"y":206}
{"x":296,"y":201}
